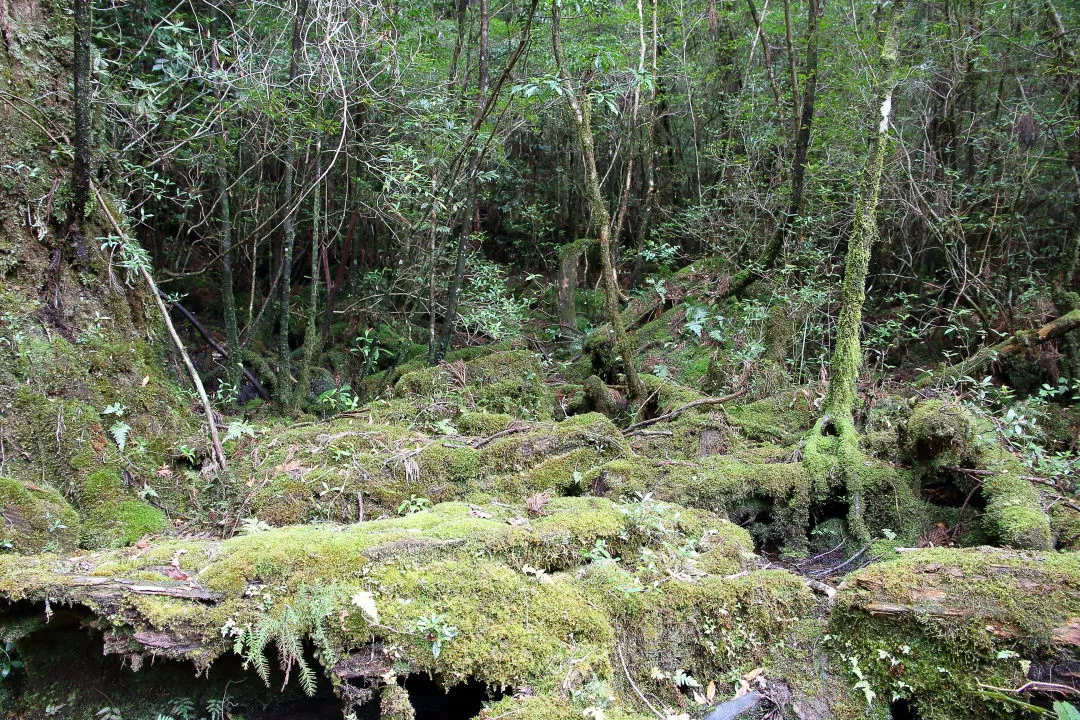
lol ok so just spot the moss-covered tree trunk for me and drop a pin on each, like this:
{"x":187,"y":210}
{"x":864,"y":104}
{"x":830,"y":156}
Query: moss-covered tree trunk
{"x":847,"y":354}
{"x":581,"y":115}
{"x":832,"y":452}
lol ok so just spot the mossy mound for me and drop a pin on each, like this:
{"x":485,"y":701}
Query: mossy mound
{"x":941,"y":627}
{"x":36,"y":519}
{"x":945,"y":441}
{"x":346,"y":469}
{"x":114,"y":517}
{"x":499,"y":382}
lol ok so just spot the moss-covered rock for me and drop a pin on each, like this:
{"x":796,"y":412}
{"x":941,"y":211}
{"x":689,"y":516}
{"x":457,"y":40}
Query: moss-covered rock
{"x":113,"y":516}
{"x":36,"y":519}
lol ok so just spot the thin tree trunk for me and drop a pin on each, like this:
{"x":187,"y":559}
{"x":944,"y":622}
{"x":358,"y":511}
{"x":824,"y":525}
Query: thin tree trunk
{"x":847,"y":355}
{"x":581,"y":112}
{"x":311,"y":330}
{"x":772,"y":250}
{"x":288,"y":225}
{"x":80,"y":169}
{"x":650,"y":152}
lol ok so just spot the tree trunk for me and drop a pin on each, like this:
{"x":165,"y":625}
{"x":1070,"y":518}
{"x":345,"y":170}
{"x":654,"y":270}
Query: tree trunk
{"x":847,"y":355}
{"x":581,"y":114}
{"x":832,"y":448}
{"x":772,"y":250}
{"x":311,"y":330}
{"x":288,"y":225}
{"x":650,"y":152}
{"x":80,"y":169}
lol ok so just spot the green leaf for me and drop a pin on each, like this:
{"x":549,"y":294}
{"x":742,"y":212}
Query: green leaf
{"x":119,"y":432}
{"x":1066,"y":711}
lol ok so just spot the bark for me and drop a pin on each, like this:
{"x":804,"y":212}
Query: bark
{"x":581,"y":115}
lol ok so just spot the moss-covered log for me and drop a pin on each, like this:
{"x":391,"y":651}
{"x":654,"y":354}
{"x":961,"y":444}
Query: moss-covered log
{"x":954,"y":630}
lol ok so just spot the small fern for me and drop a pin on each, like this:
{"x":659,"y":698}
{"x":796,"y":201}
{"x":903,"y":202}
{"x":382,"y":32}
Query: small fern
{"x":119,"y":432}
{"x":306,"y":616}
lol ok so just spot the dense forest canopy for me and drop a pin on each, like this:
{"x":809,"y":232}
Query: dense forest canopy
{"x":541,"y":359}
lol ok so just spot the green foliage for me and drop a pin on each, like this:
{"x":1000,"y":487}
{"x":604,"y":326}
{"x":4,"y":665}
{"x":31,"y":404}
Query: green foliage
{"x":435,"y":630}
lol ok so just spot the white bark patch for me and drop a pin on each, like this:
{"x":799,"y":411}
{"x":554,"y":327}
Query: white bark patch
{"x":886,"y":109}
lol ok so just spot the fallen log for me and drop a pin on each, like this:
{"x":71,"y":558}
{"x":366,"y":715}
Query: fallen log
{"x":1015,"y":343}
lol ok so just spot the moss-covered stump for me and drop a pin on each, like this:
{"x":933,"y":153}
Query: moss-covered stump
{"x":36,"y":519}
{"x":547,"y":603}
{"x":948,"y":446}
{"x":942,"y":628}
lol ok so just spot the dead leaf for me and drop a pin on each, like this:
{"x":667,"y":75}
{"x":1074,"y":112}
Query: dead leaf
{"x":535,"y":504}
{"x":145,"y":380}
{"x":177,"y":574}
{"x":710,"y":691}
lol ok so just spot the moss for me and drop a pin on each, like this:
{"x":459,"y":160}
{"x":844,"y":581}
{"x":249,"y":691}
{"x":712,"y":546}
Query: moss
{"x":940,"y":435}
{"x":483,"y":423}
{"x":36,"y":518}
{"x":933,"y":625}
{"x":394,"y":703}
{"x":112,"y":516}
{"x":511,"y":381}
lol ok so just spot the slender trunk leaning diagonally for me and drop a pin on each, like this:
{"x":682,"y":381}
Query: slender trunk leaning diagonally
{"x":805,"y":116}
{"x":580,"y":113}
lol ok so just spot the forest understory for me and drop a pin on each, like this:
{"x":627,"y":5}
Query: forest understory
{"x":552,"y":361}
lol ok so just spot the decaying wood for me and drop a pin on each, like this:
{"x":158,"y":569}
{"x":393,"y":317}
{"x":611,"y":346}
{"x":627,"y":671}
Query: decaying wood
{"x":1017,"y":342}
{"x":121,"y":587}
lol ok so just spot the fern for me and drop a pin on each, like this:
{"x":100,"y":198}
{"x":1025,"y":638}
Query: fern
{"x":119,"y":432}
{"x":305,"y":616}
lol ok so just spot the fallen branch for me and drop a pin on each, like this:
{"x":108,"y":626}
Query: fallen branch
{"x":501,"y":434}
{"x":1016,"y":342}
{"x":219,"y":452}
{"x":688,"y":406}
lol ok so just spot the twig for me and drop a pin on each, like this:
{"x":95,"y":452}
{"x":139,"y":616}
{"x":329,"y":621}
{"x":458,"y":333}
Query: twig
{"x":501,"y":434}
{"x":632,"y":685}
{"x":690,"y":405}
{"x":219,"y":452}
{"x":853,"y":558}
